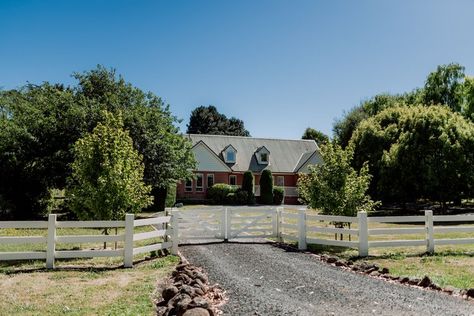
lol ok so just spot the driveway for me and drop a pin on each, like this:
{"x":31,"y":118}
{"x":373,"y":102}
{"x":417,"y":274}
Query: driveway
{"x":262,"y":279}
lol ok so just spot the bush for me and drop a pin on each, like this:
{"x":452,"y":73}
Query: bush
{"x":219,"y":192}
{"x":248,"y":187}
{"x":171,"y":196}
{"x":278,"y":195}
{"x":266,"y":187}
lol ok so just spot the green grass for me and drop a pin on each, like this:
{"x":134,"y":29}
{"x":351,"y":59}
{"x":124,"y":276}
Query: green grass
{"x":94,"y":290}
{"x":94,"y":286}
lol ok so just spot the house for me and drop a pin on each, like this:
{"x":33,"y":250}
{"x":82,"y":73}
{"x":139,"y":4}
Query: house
{"x":224,"y":159}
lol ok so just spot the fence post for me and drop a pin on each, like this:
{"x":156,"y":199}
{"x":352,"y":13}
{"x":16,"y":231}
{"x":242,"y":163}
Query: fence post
{"x":302,"y":229}
{"x":51,"y":245}
{"x":276,"y":221}
{"x":363,"y":234}
{"x":227,"y":224}
{"x":128,"y":244}
{"x":429,"y":231}
{"x":175,"y":232}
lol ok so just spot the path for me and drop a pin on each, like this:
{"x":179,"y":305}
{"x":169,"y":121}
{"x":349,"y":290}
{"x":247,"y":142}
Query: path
{"x":261,"y":279}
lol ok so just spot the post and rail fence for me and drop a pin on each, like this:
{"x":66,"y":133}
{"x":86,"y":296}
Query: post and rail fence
{"x":165,"y":228}
{"x":178,"y":226}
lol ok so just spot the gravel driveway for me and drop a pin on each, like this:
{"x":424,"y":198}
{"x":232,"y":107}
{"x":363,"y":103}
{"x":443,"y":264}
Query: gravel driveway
{"x":261,"y":279}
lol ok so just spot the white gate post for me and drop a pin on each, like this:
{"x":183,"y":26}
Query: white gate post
{"x":227,"y":224}
{"x":175,"y":232}
{"x":429,"y":231}
{"x":51,"y":243}
{"x":302,"y":229}
{"x":128,"y":244}
{"x":363,"y":234}
{"x":277,"y":224}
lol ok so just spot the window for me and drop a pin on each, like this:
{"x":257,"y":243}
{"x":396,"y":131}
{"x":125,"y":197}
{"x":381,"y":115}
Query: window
{"x":189,"y":186}
{"x":199,"y":182}
{"x":280,"y":181}
{"x":264,"y":157}
{"x":210,"y":180}
{"x":233,"y":179}
{"x":230,"y":156}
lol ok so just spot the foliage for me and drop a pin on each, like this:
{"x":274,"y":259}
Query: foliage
{"x":238,"y":197}
{"x":344,"y":127}
{"x":443,"y":86}
{"x":219,"y":191}
{"x":266,"y":187}
{"x":107,"y":178}
{"x":171,"y":195}
{"x":417,"y":152}
{"x":248,"y":185}
{"x":335,"y":187}
{"x":278,"y":195}
{"x":467,"y":95}
{"x":319,"y":137}
{"x":207,"y":120}
{"x":40,"y":123}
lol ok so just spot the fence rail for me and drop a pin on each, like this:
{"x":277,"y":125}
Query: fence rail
{"x":296,"y":227}
{"x":169,"y":234}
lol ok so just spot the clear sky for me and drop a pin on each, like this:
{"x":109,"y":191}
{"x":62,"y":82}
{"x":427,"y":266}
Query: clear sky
{"x":281,"y":66}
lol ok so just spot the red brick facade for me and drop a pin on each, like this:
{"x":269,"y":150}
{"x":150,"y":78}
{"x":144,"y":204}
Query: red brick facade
{"x":224,"y":177}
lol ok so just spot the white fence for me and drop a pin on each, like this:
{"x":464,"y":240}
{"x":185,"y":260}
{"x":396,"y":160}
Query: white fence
{"x":305,"y":228}
{"x":163,"y":228}
{"x":299,"y":227}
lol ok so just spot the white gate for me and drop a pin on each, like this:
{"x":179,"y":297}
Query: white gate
{"x":227,"y":223}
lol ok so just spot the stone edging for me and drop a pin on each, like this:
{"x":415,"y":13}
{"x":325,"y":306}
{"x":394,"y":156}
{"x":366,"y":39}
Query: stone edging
{"x":188,"y":293}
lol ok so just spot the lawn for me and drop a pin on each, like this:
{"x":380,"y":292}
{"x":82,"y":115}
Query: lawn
{"x":85,"y":287}
{"x":95,"y":286}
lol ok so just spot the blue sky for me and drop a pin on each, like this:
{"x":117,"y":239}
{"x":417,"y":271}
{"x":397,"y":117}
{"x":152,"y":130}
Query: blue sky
{"x":281,"y":66}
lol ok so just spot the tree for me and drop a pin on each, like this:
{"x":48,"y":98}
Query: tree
{"x":40,"y":123}
{"x":207,"y":120}
{"x":266,"y":187}
{"x":107,"y":174}
{"x":468,"y":98}
{"x":444,"y":86}
{"x":335,"y":187}
{"x":345,"y":127}
{"x":248,"y":184}
{"x":319,"y":137}
{"x":417,"y":152}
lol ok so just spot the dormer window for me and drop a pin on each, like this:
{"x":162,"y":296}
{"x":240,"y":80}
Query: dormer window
{"x":263,"y":155}
{"x":229,"y":154}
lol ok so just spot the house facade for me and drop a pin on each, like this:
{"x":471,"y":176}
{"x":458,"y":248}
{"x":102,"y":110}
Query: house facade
{"x":224,"y":159}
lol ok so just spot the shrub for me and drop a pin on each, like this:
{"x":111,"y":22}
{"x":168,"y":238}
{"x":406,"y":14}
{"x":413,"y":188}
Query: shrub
{"x":266,"y":187}
{"x":278,"y":195}
{"x":218,"y":193}
{"x":241,"y":197}
{"x":248,"y":185}
{"x":171,"y":196}
{"x":107,"y":174}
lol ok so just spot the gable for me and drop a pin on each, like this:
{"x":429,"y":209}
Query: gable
{"x":314,"y":159}
{"x":207,"y":160}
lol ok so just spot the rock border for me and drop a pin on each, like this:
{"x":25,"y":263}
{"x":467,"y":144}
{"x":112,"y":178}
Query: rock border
{"x":375,"y":271}
{"x":188,"y":293}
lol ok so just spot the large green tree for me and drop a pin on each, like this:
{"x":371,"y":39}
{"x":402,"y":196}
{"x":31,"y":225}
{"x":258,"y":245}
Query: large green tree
{"x":107,"y":173}
{"x":318,"y":136}
{"x":40,"y":123}
{"x":208,"y":120}
{"x":417,"y":152}
{"x":444,"y":86}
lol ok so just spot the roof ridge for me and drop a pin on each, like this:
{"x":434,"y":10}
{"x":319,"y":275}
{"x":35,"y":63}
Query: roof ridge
{"x":262,"y":138}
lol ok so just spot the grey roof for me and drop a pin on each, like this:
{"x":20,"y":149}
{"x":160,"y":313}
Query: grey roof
{"x":286,"y":155}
